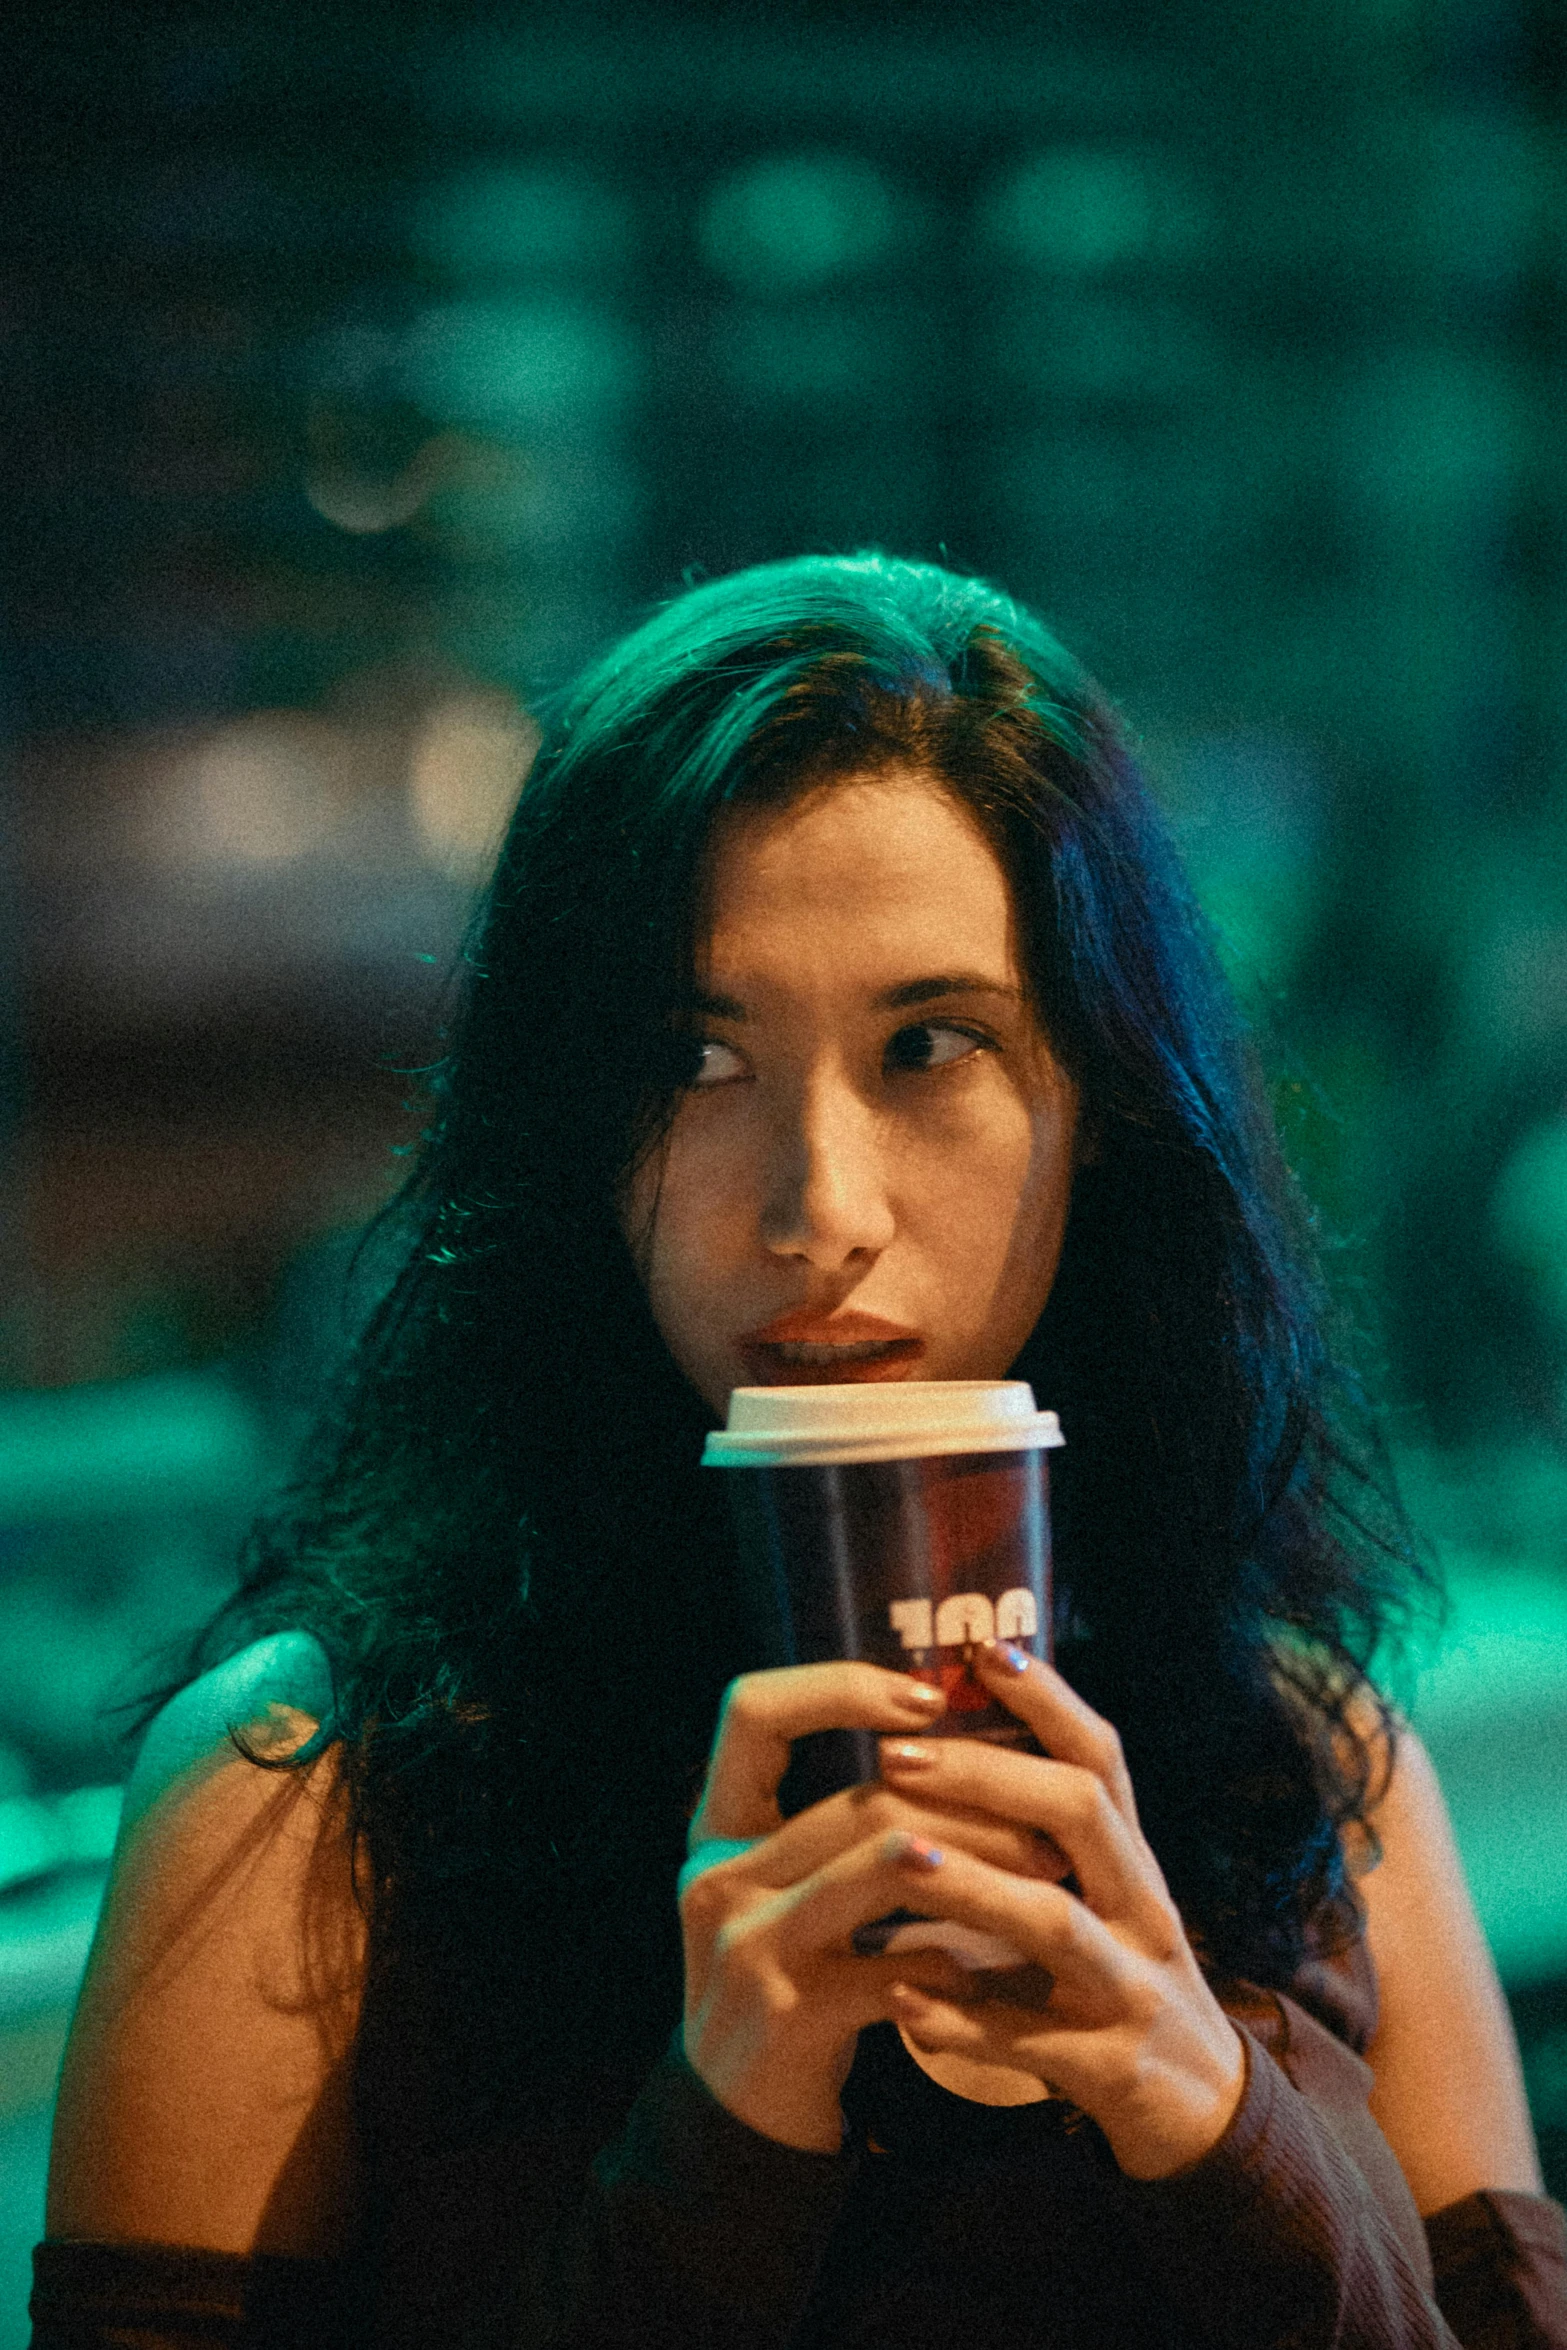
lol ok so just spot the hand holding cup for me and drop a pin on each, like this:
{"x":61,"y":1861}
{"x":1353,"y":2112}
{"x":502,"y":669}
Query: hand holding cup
{"x":776,"y":1993}
{"x":1131,"y":2031}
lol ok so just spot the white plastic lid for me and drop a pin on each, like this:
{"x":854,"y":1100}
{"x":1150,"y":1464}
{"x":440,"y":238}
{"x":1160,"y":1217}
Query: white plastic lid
{"x":878,"y":1420}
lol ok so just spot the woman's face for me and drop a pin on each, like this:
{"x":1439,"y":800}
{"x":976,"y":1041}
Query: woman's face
{"x":869,"y":1177}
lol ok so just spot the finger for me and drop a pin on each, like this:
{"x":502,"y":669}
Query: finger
{"x":1029,"y":1987}
{"x":1065,"y":1726}
{"x":763,"y":1712}
{"x":1048,"y":1925}
{"x":862,"y":1989}
{"x":818,"y":1835}
{"x":1119,"y":1876}
{"x":931,"y":1771}
{"x":719,"y":1852}
{"x":960,"y":2026}
{"x":991,"y":2030}
{"x":866,"y":1882}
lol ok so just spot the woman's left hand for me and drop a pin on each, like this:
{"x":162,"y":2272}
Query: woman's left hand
{"x":1131,"y":2032}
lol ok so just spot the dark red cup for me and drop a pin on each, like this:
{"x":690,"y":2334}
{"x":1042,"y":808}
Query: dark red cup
{"x":903,"y":1523}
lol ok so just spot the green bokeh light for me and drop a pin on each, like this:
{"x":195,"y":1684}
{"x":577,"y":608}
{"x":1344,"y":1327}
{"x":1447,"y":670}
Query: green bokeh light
{"x":183,"y":1441}
{"x":546,"y":363}
{"x":816,"y":355}
{"x":1529,"y":1210}
{"x":1492,"y":1707}
{"x":1247,"y":811}
{"x":508,"y":220}
{"x":1490,"y":1697}
{"x":1082,"y":210}
{"x":788,"y":223}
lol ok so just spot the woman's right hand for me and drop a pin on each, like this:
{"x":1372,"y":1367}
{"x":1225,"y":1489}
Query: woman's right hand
{"x":775,"y":1992}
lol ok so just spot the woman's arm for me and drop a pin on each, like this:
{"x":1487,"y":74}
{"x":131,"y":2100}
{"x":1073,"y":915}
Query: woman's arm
{"x":204,"y":2097}
{"x":1448,"y":2086}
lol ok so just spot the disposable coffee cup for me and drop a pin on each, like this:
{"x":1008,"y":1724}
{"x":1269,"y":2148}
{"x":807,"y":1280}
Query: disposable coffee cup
{"x":903,"y":1523}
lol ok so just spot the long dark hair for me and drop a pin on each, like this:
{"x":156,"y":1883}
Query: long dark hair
{"x":500,"y":1534}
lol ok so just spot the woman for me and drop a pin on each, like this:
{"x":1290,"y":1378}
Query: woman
{"x":838,"y":1011}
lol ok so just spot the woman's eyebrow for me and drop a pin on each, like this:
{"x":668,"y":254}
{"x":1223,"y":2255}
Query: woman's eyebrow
{"x":908,"y":991}
{"x":928,"y":991}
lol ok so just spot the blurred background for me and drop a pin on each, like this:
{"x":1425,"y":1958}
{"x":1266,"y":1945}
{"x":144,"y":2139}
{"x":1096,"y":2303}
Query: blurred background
{"x":365,"y":369}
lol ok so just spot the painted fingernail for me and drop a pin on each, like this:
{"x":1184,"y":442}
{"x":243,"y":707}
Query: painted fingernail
{"x":920,"y":1693}
{"x":906,"y":1754}
{"x":1012,"y":1660}
{"x":917,"y":1854}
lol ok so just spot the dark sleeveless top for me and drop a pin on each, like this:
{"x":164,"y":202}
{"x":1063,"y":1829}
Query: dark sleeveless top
{"x":474,"y":2202}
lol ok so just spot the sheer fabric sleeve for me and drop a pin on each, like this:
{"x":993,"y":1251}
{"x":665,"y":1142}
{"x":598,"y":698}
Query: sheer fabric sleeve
{"x":1298,"y":2230}
{"x":1500,"y":2263}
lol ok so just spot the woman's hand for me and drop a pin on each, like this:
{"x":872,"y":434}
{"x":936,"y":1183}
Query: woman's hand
{"x":775,"y":1992}
{"x":1131,"y":2031}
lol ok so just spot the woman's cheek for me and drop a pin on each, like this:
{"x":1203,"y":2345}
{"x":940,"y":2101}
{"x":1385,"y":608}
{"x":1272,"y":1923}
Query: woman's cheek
{"x":706,"y":1204}
{"x":986,"y":1163}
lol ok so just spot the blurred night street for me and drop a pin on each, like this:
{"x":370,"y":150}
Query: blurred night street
{"x":365,"y":371}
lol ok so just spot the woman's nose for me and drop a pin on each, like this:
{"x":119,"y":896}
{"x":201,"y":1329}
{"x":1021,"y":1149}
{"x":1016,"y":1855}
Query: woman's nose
{"x":826,"y":1195}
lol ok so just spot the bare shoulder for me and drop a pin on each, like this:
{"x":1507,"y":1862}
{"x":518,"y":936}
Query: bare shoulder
{"x":277,"y":1692}
{"x":1413,"y":1855}
{"x":1448,"y":2087}
{"x":204,"y":2096}
{"x":276,"y":1681}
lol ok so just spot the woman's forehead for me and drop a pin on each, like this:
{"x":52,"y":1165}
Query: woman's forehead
{"x":866,"y":866}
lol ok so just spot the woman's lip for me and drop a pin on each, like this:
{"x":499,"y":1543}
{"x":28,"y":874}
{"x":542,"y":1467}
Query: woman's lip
{"x":772,"y":1353}
{"x":808,"y":1326}
{"x":777,"y":1364}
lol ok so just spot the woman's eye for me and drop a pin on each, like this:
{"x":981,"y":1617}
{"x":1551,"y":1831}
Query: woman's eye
{"x":931,"y":1044}
{"x":713,"y":1063}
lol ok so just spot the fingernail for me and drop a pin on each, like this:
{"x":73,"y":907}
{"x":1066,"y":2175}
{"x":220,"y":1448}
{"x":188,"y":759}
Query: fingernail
{"x":1011,"y":1660}
{"x":917,"y":1854}
{"x":905,"y":1753}
{"x":920,"y":1693}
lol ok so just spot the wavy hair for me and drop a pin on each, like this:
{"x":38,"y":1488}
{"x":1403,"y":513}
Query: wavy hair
{"x":500,"y":1532}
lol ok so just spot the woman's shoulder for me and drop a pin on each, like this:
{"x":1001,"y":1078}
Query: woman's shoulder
{"x":272,"y":1697}
{"x":1448,"y":2090}
{"x":222,"y":1995}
